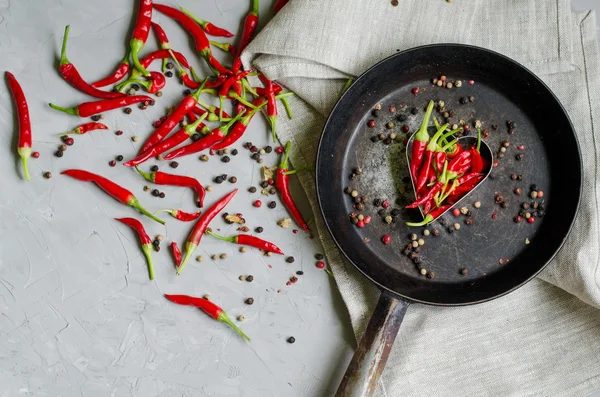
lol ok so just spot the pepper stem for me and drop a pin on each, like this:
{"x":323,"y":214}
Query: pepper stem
{"x":285,"y":95}
{"x":284,"y":162}
{"x":72,"y":111}
{"x":225,"y":129}
{"x":133,"y":202}
{"x":225,"y":319}
{"x":25,"y":153}
{"x":195,"y":18}
{"x":422,"y":135}
{"x":347,"y":85}
{"x":248,"y":87}
{"x":447,"y":134}
{"x":255,"y":7}
{"x":428,"y":219}
{"x":432,"y":146}
{"x":241,"y":100}
{"x":191,"y":128}
{"x":189,"y":251}
{"x":136,"y":46}
{"x":147,"y":249}
{"x":230,"y":239}
{"x":222,"y":46}
{"x":286,"y":105}
{"x":148,"y":177}
{"x":63,"y":50}
{"x":196,"y":94}
{"x":478,"y":138}
{"x":172,"y":212}
{"x":449,"y":145}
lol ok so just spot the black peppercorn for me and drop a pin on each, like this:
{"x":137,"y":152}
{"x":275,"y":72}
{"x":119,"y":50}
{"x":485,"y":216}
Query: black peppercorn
{"x":195,"y":137}
{"x":402,"y":117}
{"x":154,"y":168}
{"x":290,"y":259}
{"x":519,"y":157}
{"x":168,"y":73}
{"x":225,"y":159}
{"x":250,"y":278}
{"x":156,"y":242}
{"x":218,"y":179}
{"x":375,"y":112}
{"x":395,"y":212}
{"x":291,"y":339}
{"x":417,"y":261}
{"x":174,"y":164}
{"x":155,"y":192}
{"x":272,"y":204}
{"x":414,"y":111}
{"x":249,"y":301}
{"x":259,"y":229}
{"x":162,"y":195}
{"x":435,"y":232}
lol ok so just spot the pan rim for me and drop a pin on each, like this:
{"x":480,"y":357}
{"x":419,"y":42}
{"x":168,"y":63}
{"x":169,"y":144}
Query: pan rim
{"x":437,"y":303}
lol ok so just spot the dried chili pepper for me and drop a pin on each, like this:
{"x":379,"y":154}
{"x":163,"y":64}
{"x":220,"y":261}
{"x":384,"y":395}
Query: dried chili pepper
{"x":250,"y":25}
{"x":24,"y":141}
{"x":162,"y":178}
{"x":117,"y":192}
{"x":208,"y":27}
{"x":163,"y":41}
{"x":282,"y":183}
{"x":224,"y":46}
{"x":145,"y":240}
{"x":279,"y":5}
{"x":216,"y":136}
{"x":83,"y":128}
{"x":169,"y":143}
{"x":70,"y":74}
{"x":240,"y":127}
{"x":426,"y":168}
{"x":117,"y":75}
{"x":420,"y":141}
{"x":431,"y":216}
{"x":176,"y":253}
{"x":182,"y":215}
{"x":197,"y":232}
{"x":252,"y":241}
{"x":140,"y":33}
{"x":207,"y":307}
{"x":90,"y":108}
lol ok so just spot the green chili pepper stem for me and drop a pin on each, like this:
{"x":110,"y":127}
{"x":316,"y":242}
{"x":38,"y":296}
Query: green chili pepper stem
{"x":347,"y":85}
{"x":436,"y":123}
{"x":478,"y":138}
{"x":241,"y":100}
{"x":284,"y":161}
{"x":25,"y":153}
{"x":248,"y":87}
{"x":286,"y":105}
{"x":133,"y":202}
{"x":447,"y":134}
{"x":273,"y":121}
{"x":136,"y":46}
{"x":225,"y":319}
{"x":195,"y":18}
{"x":449,"y":145}
{"x":230,"y":239}
{"x":172,"y":212}
{"x":422,"y":135}
{"x":196,"y":94}
{"x":222,"y":46}
{"x":255,"y":7}
{"x":179,"y":67}
{"x":147,"y":249}
{"x":428,"y":219}
{"x":246,"y":119}
{"x":224,"y":129}
{"x":285,"y":95}
{"x":445,"y":196}
{"x":72,"y":111}
{"x":297,"y":170}
{"x":189,"y":251}
{"x":148,"y":177}
{"x":191,"y":128}
{"x":432,"y":145}
{"x":63,"y":50}
{"x":221,"y":103}
{"x":194,"y":74}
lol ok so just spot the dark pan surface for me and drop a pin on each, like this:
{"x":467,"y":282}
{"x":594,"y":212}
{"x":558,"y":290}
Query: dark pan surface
{"x":500,"y":255}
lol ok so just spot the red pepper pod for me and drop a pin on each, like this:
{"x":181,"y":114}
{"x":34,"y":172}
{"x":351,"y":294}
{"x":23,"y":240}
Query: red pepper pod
{"x":182,"y":215}
{"x":250,"y":25}
{"x":86,"y":127}
{"x":420,"y":141}
{"x":282,"y":183}
{"x":207,"y":26}
{"x":224,"y":46}
{"x":430,"y":217}
{"x":25,"y":137}
{"x":161,"y":35}
{"x":162,"y":178}
{"x":251,"y":241}
{"x":117,"y":75}
{"x":461,"y":163}
{"x":145,"y":240}
{"x":197,"y":232}
{"x":140,"y":33}
{"x":279,"y":5}
{"x":87,"y":109}
{"x":117,"y":192}
{"x":239,"y":128}
{"x":176,"y":253}
{"x":427,"y":197}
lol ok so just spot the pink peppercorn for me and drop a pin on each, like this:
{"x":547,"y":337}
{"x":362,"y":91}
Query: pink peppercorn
{"x":156,"y":124}
{"x":320,"y":264}
{"x":471,"y":82}
{"x":386,"y":239}
{"x":371,"y":123}
{"x":456,"y":212}
{"x":520,"y":147}
{"x":35,"y":155}
{"x":119,"y":132}
{"x":360,"y":224}
{"x":270,"y":181}
{"x":385,"y":204}
{"x":69,"y":141}
{"x":494,"y":216}
{"x":367,"y":220}
{"x":415,"y":90}
{"x":405,"y":128}
{"x":257,"y":203}
{"x":112,"y":163}
{"x":531,"y":219}
{"x":540,"y":194}
{"x":279,"y":149}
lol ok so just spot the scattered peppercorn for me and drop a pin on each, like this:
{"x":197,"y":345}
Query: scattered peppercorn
{"x":47,"y":175}
{"x":162,"y":195}
{"x":233,"y":179}
{"x":463,"y":271}
{"x":155,"y":192}
{"x":112,"y":163}
{"x":258,"y":229}
{"x":290,"y":259}
{"x":519,"y":157}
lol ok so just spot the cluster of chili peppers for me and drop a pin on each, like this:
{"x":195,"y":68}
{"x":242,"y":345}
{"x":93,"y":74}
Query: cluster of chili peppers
{"x":442,"y":172}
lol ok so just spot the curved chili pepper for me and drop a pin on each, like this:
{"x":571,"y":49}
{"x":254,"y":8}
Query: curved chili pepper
{"x":207,"y":307}
{"x":431,"y":148}
{"x":216,"y":136}
{"x":224,"y":90}
{"x":176,"y":253}
{"x":69,"y":73}
{"x":428,"y":196}
{"x":272,"y":111}
{"x":471,"y":180}
{"x":169,"y":143}
{"x":224,"y":46}
{"x":476,"y":161}
{"x":117,"y":192}
{"x":197,"y":232}
{"x":147,"y":60}
{"x":279,"y":5}
{"x":252,"y":241}
{"x":83,"y":128}
{"x":144,"y":238}
{"x":162,"y":178}
{"x":140,"y":33}
{"x":24,"y":142}
{"x":282,"y":183}
{"x":239,"y":128}
{"x":163,"y":41}
{"x":174,"y":118}
{"x":156,"y":83}
{"x":210,"y":115}
{"x":182,"y":216}
{"x":431,"y":216}
{"x":459,"y":164}
{"x":117,"y":75}
{"x":420,"y":141}
{"x":90,"y":108}
{"x":454,"y":151}
{"x":208,"y":27}
{"x":250,"y":25}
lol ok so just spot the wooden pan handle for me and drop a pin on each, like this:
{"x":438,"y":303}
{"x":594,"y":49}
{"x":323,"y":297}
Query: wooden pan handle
{"x":370,"y":357}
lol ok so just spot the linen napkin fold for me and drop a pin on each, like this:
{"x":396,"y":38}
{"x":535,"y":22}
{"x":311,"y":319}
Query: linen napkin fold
{"x":538,"y":340}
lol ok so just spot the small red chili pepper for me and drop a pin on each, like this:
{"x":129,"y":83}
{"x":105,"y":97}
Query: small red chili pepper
{"x":91,"y":108}
{"x":454,"y":151}
{"x":162,"y":178}
{"x":148,"y":59}
{"x":197,"y":232}
{"x":83,"y":128}
{"x":163,"y":41}
{"x":176,"y":253}
{"x":117,"y":75}
{"x":279,"y":5}
{"x":211,"y":109}
{"x":431,"y":216}
{"x":216,"y":136}
{"x":250,"y":25}
{"x":117,"y":192}
{"x":183,"y":216}
{"x":224,"y":90}
{"x":140,"y":33}
{"x":426,"y":168}
{"x":208,"y":27}
{"x":70,"y":74}
{"x":420,"y":141}
{"x":24,"y":142}
{"x":224,"y":46}
{"x":282,"y":182}
{"x":155,"y":83}
{"x":459,"y":164}
{"x":238,"y":129}
{"x":191,"y":116}
{"x":169,"y":143}
{"x":428,"y":196}
{"x":251,"y":241}
{"x":144,"y":238}
{"x":209,"y":115}
{"x":272,"y":112}
{"x":207,"y":307}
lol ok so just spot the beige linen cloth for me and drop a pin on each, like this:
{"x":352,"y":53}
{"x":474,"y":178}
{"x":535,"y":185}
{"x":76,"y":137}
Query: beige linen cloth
{"x":541,"y":340}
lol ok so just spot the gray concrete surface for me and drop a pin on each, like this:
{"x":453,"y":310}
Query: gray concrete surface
{"x":78,"y":316}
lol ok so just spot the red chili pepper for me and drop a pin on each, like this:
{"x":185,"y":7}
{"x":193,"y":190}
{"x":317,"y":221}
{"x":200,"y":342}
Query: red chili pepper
{"x":431,"y":216}
{"x":83,"y":128}
{"x":207,"y":307}
{"x":90,"y":108}
{"x":224,"y":90}
{"x":186,"y":104}
{"x":162,"y":178}
{"x":476,"y":160}
{"x":183,"y":216}
{"x":211,"y":109}
{"x":169,"y":143}
{"x":117,"y":75}
{"x":70,"y":74}
{"x":176,"y":253}
{"x":140,"y":33}
{"x":197,"y":232}
{"x":459,"y":164}
{"x":147,"y":61}
{"x":455,"y":150}
{"x":428,"y":196}
{"x":250,"y":25}
{"x":420,"y":141}
{"x":279,"y":5}
{"x":117,"y":192}
{"x":216,"y":136}
{"x":252,"y":241}
{"x":163,"y":41}
{"x":24,"y":142}
{"x":144,"y":238}
{"x":224,"y":46}
{"x":440,"y":159}
{"x":207,"y":26}
{"x":272,"y":112}
{"x":282,"y":183}
{"x":239,"y":128}
{"x":426,"y":168}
